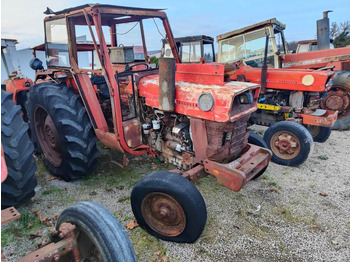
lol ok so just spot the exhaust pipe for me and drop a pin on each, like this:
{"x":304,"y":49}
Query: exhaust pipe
{"x":323,"y":32}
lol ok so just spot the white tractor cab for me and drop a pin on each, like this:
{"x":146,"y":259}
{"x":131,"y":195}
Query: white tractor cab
{"x":192,"y":49}
{"x":248,"y":44}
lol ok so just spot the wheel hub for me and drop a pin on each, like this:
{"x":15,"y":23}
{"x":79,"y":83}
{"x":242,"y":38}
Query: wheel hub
{"x":337,"y":100}
{"x":285,"y":145}
{"x":163,"y":214}
{"x":47,"y":136}
{"x":51,"y":133}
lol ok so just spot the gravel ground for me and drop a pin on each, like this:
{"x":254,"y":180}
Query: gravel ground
{"x":289,"y":214}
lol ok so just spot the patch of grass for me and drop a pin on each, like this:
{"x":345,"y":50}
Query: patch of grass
{"x":143,"y":241}
{"x":126,"y":218}
{"x":124,"y":199}
{"x":323,"y":157}
{"x":22,"y":228}
{"x":53,"y":190}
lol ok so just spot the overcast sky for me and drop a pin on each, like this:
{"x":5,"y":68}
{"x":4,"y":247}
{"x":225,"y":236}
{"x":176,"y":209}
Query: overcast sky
{"x":23,"y":19}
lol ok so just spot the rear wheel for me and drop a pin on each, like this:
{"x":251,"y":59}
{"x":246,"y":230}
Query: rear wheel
{"x":289,"y":142}
{"x":319,"y":133}
{"x":169,"y":207}
{"x":18,"y":151}
{"x":339,"y":99}
{"x":62,"y":130}
{"x":98,"y":233}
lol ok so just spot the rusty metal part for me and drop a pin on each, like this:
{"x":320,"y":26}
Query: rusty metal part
{"x":9,"y":214}
{"x":326,"y":120}
{"x":195,"y":173}
{"x":237,"y":173}
{"x":123,"y":164}
{"x":64,"y":250}
{"x":285,"y":145}
{"x":163,"y":214}
{"x":47,"y":135}
{"x":337,"y":101}
{"x":167,"y":84}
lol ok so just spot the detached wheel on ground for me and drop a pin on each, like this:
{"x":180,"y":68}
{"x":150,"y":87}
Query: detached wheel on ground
{"x":289,"y":142}
{"x":99,"y":235}
{"x":62,"y":131}
{"x":169,"y":207}
{"x":319,"y":133}
{"x":257,"y":140}
{"x":18,"y":151}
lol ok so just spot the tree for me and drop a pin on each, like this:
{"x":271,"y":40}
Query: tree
{"x":340,"y":34}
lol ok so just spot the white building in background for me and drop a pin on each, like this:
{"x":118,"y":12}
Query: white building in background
{"x":19,"y":60}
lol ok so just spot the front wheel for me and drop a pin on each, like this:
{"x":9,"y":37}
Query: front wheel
{"x":289,"y":142}
{"x":99,"y":235}
{"x":169,"y":207}
{"x":319,"y":133}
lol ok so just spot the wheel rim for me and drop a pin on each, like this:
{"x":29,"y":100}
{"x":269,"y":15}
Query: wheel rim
{"x":337,"y":100}
{"x":285,"y":145}
{"x":314,"y":130}
{"x":163,"y":214}
{"x":88,"y":251}
{"x":47,"y":135}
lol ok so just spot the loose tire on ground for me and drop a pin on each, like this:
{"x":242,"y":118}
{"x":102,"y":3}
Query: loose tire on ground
{"x":257,"y":140}
{"x":319,"y":134}
{"x":100,"y":237}
{"x":18,"y":151}
{"x":62,"y":130}
{"x":290,"y":143}
{"x":169,"y":207}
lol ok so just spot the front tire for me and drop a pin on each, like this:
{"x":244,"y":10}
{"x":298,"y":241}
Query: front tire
{"x":169,"y":207}
{"x":20,"y":183}
{"x":62,"y":130}
{"x":319,"y":134}
{"x":290,"y":143}
{"x":100,"y":237}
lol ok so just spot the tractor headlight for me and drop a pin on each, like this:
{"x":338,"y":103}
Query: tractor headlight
{"x":206,"y":101}
{"x":246,"y":98}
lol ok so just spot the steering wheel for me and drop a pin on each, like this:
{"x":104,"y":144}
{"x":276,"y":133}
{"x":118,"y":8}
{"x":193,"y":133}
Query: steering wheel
{"x":129,"y":68}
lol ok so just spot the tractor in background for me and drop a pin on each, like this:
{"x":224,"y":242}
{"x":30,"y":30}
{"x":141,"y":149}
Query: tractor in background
{"x":188,"y":115}
{"x":334,"y":62}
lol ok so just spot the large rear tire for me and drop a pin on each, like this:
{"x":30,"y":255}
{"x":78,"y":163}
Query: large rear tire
{"x":169,"y":207}
{"x":290,"y":143}
{"x":62,"y":131}
{"x":100,"y":237}
{"x":18,"y":151}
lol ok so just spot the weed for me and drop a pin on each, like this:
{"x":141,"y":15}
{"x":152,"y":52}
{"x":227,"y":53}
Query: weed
{"x":323,"y":157}
{"x":124,"y":199}
{"x":54,"y":190}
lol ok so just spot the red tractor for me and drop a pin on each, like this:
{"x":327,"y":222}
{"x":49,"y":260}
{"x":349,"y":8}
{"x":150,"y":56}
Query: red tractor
{"x":247,"y":45}
{"x":185,"y":114}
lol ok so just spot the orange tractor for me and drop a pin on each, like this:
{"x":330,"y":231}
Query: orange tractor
{"x":185,"y":114}
{"x":247,"y":45}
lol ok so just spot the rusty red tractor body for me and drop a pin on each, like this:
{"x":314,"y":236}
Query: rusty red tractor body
{"x":186,"y":114}
{"x":290,"y":69}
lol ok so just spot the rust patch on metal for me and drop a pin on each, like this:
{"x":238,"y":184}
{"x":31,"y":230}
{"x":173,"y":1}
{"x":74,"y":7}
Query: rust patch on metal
{"x":195,"y":173}
{"x":163,"y":214}
{"x":9,"y":214}
{"x":132,"y":132}
{"x":234,"y":175}
{"x":109,"y":140}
